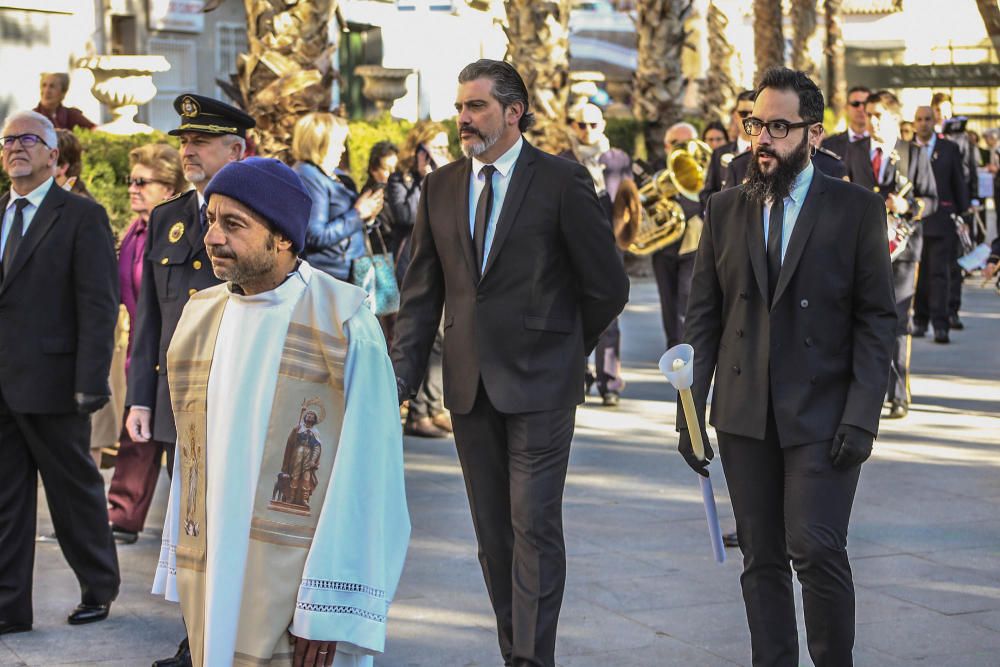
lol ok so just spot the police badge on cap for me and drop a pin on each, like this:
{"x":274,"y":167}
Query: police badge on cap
{"x":203,"y":114}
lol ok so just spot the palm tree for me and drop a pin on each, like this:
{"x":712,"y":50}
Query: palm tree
{"x":768,"y":38}
{"x":836,"y":66}
{"x":717,"y":88}
{"x":538,"y":46}
{"x":287,"y":72}
{"x":803,"y":30}
{"x":659,"y":79}
{"x":990,"y":11}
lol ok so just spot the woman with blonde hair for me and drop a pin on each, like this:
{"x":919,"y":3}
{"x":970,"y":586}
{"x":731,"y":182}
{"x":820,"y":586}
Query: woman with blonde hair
{"x":156,"y":175}
{"x":335,"y":236}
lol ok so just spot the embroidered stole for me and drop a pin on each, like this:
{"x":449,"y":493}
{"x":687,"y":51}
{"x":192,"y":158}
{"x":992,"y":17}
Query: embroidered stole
{"x":302,"y":438}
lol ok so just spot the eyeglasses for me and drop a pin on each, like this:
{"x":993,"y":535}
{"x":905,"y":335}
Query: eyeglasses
{"x":856,"y":104}
{"x":27,"y":140}
{"x":139,"y":182}
{"x":584,"y":126}
{"x":778,"y":129}
{"x":744,"y":113}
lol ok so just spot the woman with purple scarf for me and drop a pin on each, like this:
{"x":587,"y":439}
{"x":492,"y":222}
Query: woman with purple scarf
{"x":156,"y":175}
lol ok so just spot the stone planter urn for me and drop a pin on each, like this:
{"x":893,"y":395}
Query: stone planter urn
{"x":383,"y":85}
{"x":123,"y":84}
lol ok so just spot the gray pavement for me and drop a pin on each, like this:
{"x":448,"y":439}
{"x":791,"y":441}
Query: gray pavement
{"x":642,"y":586}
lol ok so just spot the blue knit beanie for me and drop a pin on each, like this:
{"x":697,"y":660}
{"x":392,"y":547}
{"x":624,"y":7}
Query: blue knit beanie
{"x":272,"y":190}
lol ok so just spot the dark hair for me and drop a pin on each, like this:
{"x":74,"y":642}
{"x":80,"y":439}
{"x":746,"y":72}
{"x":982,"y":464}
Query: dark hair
{"x":508,"y":86}
{"x":810,"y":96}
{"x":70,"y":152}
{"x":745,"y":95}
{"x":888,"y":100}
{"x":715,"y":125}
{"x":939,"y":98}
{"x":859,"y":89}
{"x":380,"y":151}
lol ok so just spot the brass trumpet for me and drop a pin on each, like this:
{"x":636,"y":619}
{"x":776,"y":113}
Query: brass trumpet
{"x":646,"y":217}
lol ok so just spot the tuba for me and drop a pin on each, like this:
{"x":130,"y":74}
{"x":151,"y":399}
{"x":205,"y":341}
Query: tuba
{"x":646,"y":217}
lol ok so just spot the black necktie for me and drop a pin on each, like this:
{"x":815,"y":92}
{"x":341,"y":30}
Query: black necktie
{"x":15,"y":233}
{"x":483,"y":209}
{"x":774,"y":229}
{"x":203,"y":216}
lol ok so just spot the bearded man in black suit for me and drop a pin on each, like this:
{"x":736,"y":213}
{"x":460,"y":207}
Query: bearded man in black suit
{"x":792,"y":311}
{"x":515,"y":247}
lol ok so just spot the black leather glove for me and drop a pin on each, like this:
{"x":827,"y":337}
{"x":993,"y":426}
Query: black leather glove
{"x":403,"y":391}
{"x":851,"y":447}
{"x":687,"y":451}
{"x":87,"y":404}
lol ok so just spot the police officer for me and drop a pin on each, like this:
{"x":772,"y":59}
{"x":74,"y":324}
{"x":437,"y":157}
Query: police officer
{"x":176,"y":265}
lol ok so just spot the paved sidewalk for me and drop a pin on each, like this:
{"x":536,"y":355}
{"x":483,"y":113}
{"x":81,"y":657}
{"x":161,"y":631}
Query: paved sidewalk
{"x":642,"y":586}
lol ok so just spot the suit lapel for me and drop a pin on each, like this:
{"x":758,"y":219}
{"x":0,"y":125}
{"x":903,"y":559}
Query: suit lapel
{"x":524,"y":169}
{"x":753,"y":214}
{"x":195,"y":232}
{"x":461,"y":190}
{"x":804,"y":224}
{"x":45,"y":217}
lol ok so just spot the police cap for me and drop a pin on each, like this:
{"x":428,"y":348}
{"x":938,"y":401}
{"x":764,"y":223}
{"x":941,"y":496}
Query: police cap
{"x":203,"y":114}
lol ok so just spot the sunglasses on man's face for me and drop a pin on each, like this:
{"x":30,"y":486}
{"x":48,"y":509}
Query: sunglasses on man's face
{"x":585,"y":126}
{"x":856,"y":104}
{"x":27,"y":140}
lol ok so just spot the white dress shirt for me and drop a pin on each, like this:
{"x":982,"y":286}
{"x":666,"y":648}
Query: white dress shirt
{"x":501,"y":181}
{"x":34,"y":198}
{"x":793,"y":206}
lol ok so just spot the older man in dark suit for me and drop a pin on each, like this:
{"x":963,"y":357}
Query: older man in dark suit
{"x":513,"y":243}
{"x":940,"y":238}
{"x":59,"y":305}
{"x":792,"y":311}
{"x":885,"y":164}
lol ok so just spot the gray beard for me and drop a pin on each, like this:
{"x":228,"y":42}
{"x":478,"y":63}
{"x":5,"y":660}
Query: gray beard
{"x":488,"y":141}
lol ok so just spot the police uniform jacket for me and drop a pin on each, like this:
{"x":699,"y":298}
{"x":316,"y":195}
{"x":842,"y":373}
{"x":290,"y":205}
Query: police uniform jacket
{"x":716,"y":171}
{"x":176,"y":265}
{"x":952,"y":188}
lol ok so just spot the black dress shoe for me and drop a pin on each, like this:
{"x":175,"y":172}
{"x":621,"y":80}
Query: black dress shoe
{"x":180,"y":659}
{"x":124,"y":536}
{"x":610,"y":399}
{"x":898,"y":410}
{"x":89,"y":613}
{"x":730,"y":539}
{"x":941,"y":337}
{"x":13,"y":628}
{"x":919,"y":330}
{"x":955,"y":322}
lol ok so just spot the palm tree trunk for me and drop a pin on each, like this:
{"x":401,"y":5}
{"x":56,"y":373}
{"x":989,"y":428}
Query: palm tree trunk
{"x":717,"y":88}
{"x":659,"y":79}
{"x":803,"y":31}
{"x":836,"y":66}
{"x":538,"y":46}
{"x":287,"y":72}
{"x":768,"y":37}
{"x":990,"y":11}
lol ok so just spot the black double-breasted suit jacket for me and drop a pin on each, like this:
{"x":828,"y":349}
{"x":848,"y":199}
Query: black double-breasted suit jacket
{"x":552,"y":282}
{"x":821,"y":352}
{"x":952,"y":188}
{"x":58,"y":307}
{"x":175,"y":266}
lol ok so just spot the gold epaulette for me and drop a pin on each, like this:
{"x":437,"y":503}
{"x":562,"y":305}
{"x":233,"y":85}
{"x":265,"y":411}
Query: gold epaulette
{"x":170,"y":199}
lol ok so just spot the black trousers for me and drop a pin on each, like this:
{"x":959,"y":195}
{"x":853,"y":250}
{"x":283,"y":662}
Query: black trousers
{"x":899,"y":367}
{"x":607,"y":360}
{"x":931,"y":304}
{"x":429,"y":400}
{"x":955,"y":284}
{"x":515,"y":469}
{"x":57,"y":447}
{"x":792,"y":506}
{"x":673,"y":274}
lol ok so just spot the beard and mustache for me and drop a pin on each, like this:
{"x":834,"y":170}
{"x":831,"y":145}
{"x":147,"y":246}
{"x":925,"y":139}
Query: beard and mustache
{"x":762,"y":187}
{"x":487,"y":140}
{"x":247,"y":269}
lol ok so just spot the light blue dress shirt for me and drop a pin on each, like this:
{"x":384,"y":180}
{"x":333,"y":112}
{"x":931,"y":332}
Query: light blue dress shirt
{"x":793,"y":205}
{"x":501,"y":181}
{"x":34,"y":198}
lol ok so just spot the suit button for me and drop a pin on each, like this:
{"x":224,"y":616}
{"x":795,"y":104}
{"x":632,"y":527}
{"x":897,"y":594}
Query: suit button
{"x":743,"y":295}
{"x":157,"y":368}
{"x":804,"y":303}
{"x":196,"y":264}
{"x":809,"y":341}
{"x":739,"y":333}
{"x":164,"y":261}
{"x":812,"y":380}
{"x":736,"y":369}
{"x":192,"y":291}
{"x":479,"y":298}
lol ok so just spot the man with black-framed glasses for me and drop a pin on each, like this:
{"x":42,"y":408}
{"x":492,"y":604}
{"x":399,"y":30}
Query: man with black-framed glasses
{"x":792,"y":311}
{"x":56,"y":249}
{"x":857,"y":122}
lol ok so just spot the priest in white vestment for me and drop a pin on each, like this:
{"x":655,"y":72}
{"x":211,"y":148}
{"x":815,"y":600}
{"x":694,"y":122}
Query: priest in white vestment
{"x":287,"y":523}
